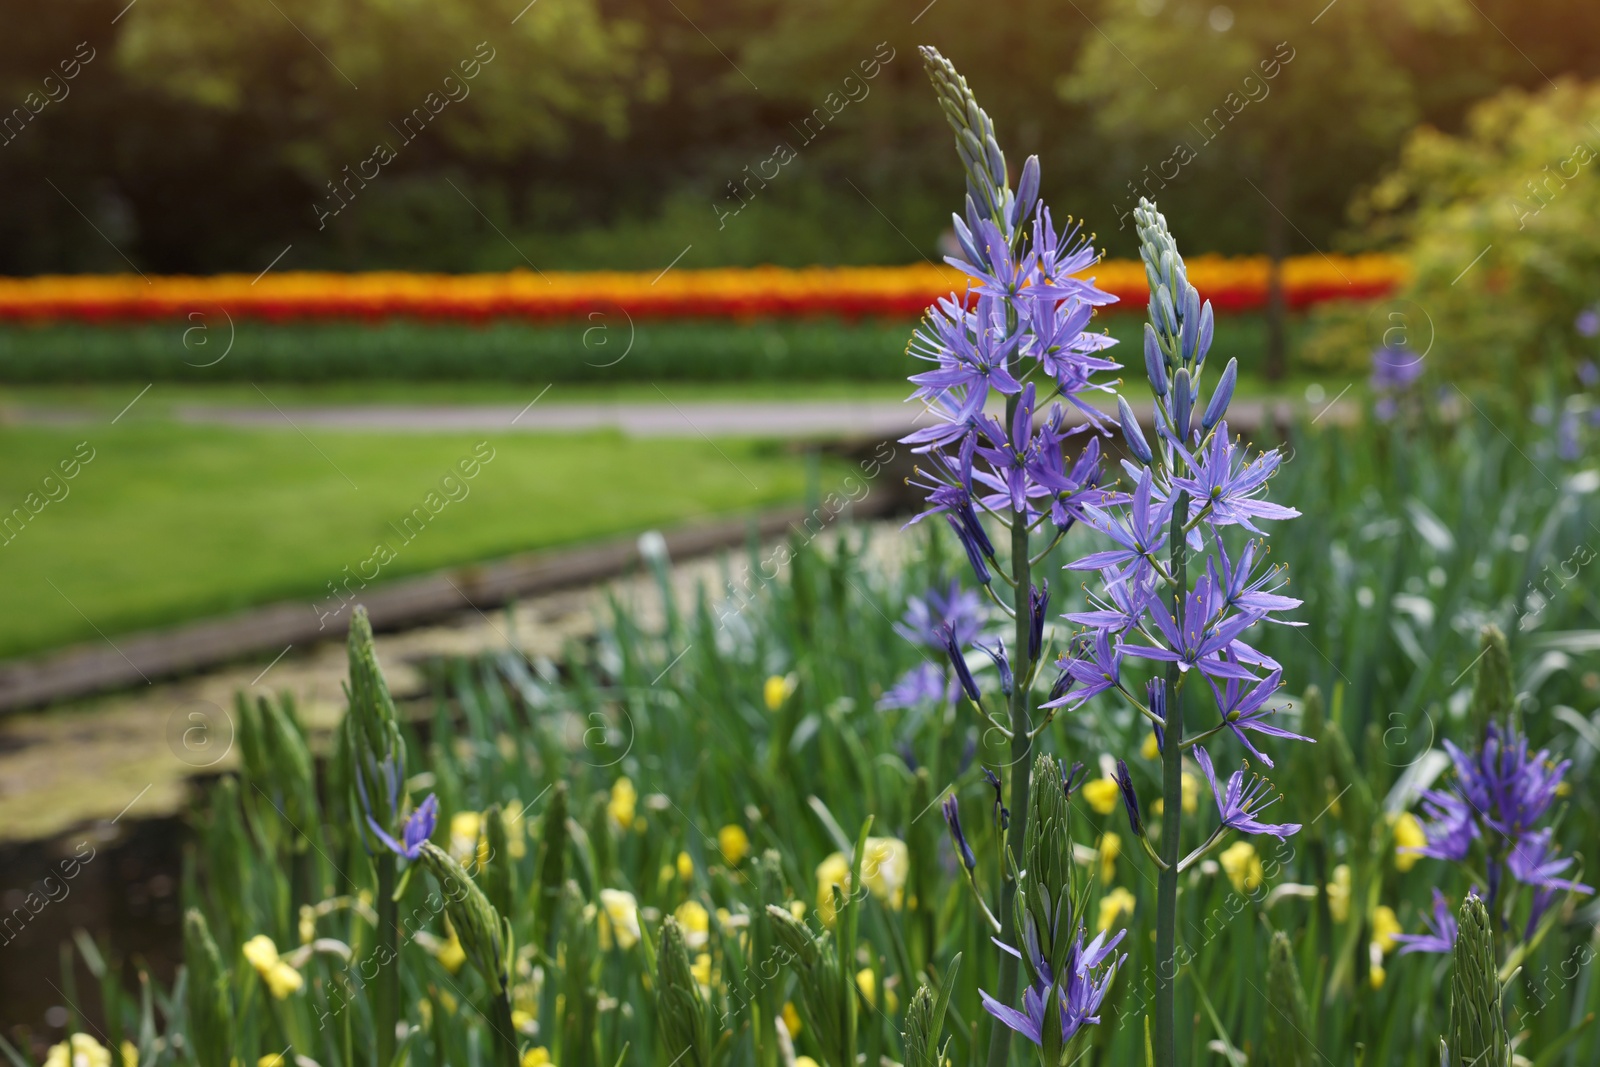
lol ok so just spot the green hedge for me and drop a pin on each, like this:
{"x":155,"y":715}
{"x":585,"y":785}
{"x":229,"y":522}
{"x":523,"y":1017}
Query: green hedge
{"x":584,"y":351}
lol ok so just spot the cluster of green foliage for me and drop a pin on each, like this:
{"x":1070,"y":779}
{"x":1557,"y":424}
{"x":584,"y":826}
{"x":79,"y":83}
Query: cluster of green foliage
{"x":607,"y":134}
{"x":602,"y":351}
{"x":1499,"y":225}
{"x":637,"y":812}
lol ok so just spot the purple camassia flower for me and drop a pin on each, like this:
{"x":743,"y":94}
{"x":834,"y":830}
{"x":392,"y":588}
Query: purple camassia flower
{"x":1098,"y":668}
{"x":1204,"y":637}
{"x":1239,"y":588}
{"x":925,"y":614}
{"x":1081,"y":990}
{"x":418,"y":828}
{"x":1394,"y":369}
{"x":1122,"y":606}
{"x":1248,"y":711}
{"x":1237,"y":805}
{"x":1533,"y":862}
{"x":1230,"y":486}
{"x":1508,"y":789}
{"x":1442,"y":930}
{"x":1138,"y":537}
{"x":924,"y":683}
{"x":1588,"y":322}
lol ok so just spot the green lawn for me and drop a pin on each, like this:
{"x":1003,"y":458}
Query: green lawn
{"x":167,"y":523}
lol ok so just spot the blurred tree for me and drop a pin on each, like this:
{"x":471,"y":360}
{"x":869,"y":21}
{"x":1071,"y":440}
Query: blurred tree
{"x":1278,"y":90}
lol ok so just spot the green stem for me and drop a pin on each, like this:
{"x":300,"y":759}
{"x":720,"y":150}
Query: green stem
{"x":386,"y":985}
{"x":1021,"y":741}
{"x":1166,"y":1036}
{"x":505,"y":1030}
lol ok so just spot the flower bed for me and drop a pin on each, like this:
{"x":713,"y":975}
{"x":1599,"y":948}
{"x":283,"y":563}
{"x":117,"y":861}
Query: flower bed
{"x":1231,"y":284}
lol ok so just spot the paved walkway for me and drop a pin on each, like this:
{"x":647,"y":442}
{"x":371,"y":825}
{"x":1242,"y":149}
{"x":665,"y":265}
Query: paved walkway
{"x":801,"y":418}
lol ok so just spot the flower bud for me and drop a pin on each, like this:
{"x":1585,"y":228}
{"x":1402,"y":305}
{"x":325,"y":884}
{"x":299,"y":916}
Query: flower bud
{"x":1132,"y":433}
{"x":1182,"y":404}
{"x":1221,"y":396}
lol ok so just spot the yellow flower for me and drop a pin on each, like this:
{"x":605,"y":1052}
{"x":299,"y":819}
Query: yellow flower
{"x":130,"y":1054}
{"x":308,"y":924}
{"x":619,"y":914}
{"x":804,"y":1061}
{"x":797,"y":908}
{"x":537,"y":1056}
{"x":1407,"y":835}
{"x":1338,"y":890}
{"x":281,"y":978}
{"x":734,"y":843}
{"x":272,"y":1059}
{"x":702,"y":969}
{"x":1384,"y":926}
{"x":451,"y":955}
{"x":1243,"y":866}
{"x":1102,"y":795}
{"x":1109,"y":848}
{"x":867,"y":982}
{"x":696,"y":923}
{"x":778,"y":689}
{"x":467,"y":839}
{"x":791,"y":1018}
{"x":516,"y":840}
{"x":1115,"y":903}
{"x":1151,"y":748}
{"x":623,"y":800}
{"x":1376,"y":976}
{"x":833,"y":871}
{"x":884,"y":868}
{"x":685,"y":866}
{"x":85,"y":1051}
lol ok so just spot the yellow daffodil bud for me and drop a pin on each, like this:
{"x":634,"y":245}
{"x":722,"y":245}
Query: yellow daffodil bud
{"x":1102,"y":795}
{"x":1242,"y":866}
{"x":696,"y":923}
{"x":867,"y":982}
{"x":734,"y":843}
{"x":1407,"y":835}
{"x":619,"y":918}
{"x":83,"y":1051}
{"x":1384,"y":926}
{"x":778,"y":689}
{"x":1107,"y":851}
{"x":281,"y":979}
{"x":1338,"y":890}
{"x":451,"y":955}
{"x":1116,"y":903}
{"x":624,"y":799}
{"x":1151,"y":748}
